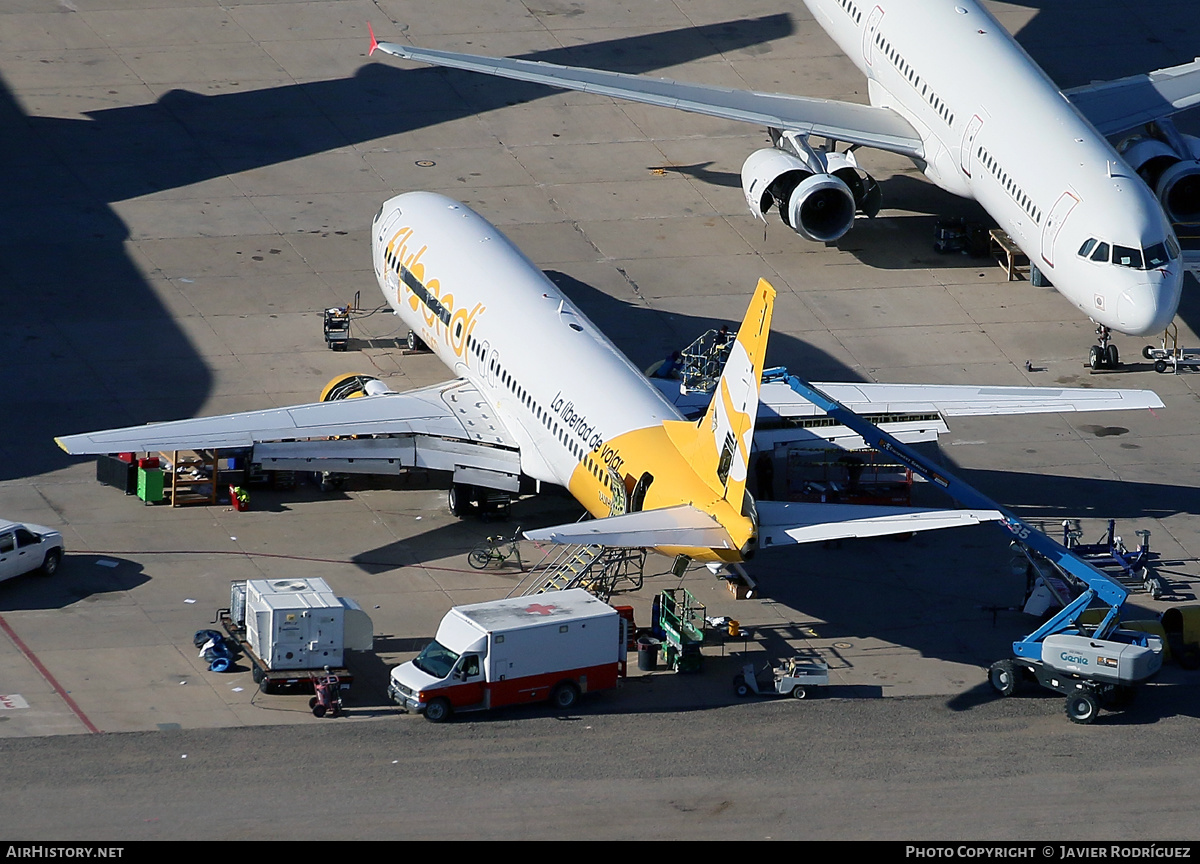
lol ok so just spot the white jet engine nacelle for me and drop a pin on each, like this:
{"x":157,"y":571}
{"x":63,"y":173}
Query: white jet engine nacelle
{"x":816,"y":205}
{"x":1174,"y":176}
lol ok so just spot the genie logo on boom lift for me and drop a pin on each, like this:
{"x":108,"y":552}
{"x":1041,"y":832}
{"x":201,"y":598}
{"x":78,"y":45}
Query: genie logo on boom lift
{"x":1072,"y":658}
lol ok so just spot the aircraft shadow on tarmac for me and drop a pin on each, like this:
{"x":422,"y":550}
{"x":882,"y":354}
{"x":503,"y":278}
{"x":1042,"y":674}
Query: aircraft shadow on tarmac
{"x":1075,"y":60}
{"x":1052,"y":498}
{"x":82,"y":577}
{"x":64,"y":263}
{"x":647,"y":335}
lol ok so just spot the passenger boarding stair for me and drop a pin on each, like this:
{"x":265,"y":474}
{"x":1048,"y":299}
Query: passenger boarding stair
{"x":597,"y":569}
{"x":567,"y":568}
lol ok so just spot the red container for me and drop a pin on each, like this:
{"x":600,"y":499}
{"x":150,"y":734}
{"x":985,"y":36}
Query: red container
{"x":148,"y":462}
{"x":126,"y":457}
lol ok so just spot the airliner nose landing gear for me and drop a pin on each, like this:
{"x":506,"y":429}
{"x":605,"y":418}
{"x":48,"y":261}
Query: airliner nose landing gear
{"x":1104,"y":355}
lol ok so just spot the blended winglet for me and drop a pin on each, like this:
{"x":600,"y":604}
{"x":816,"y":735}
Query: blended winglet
{"x":374,"y":41}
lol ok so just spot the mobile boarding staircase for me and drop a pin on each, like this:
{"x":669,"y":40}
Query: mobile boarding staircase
{"x":598,"y":569}
{"x":1088,"y":664}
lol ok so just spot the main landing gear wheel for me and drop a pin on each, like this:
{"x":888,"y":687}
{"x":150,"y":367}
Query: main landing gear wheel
{"x":1082,"y":707}
{"x":1003,"y":677}
{"x":458,"y":499}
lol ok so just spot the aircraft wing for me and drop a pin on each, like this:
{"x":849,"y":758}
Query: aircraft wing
{"x":949,"y":400}
{"x":683,"y":525}
{"x":869,"y":126}
{"x":780,"y":524}
{"x":1114,"y":106}
{"x":445,"y":427}
{"x":952,"y":400}
{"x":783,"y":523}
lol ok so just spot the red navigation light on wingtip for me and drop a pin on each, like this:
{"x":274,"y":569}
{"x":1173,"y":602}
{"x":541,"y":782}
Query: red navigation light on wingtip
{"x":374,"y":41}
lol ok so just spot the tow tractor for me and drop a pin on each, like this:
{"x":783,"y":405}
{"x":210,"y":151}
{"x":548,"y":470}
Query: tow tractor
{"x":1087,"y":664}
{"x":797,"y":677}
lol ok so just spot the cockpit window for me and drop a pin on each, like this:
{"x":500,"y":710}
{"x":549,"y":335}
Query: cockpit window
{"x":1126,"y":257}
{"x":1156,"y":256}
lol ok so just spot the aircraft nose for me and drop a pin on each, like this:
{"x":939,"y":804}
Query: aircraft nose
{"x":1149,"y":306}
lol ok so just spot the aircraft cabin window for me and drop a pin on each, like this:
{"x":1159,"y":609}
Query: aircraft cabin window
{"x":1126,"y":257}
{"x":1101,"y":253}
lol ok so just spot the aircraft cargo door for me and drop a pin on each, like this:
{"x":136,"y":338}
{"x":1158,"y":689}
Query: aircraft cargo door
{"x":1054,"y":222}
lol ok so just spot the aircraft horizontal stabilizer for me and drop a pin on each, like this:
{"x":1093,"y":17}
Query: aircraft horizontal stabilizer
{"x":682,"y":526}
{"x":784,"y":523}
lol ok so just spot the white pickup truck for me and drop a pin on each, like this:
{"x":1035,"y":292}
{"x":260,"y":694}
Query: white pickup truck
{"x":27,"y":547}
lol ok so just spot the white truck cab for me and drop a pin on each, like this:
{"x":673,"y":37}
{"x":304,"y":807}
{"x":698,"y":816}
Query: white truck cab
{"x":28,"y":547}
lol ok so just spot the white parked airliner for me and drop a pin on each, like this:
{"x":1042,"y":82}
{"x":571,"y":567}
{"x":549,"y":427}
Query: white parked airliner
{"x":951,"y":90}
{"x":542,"y":396}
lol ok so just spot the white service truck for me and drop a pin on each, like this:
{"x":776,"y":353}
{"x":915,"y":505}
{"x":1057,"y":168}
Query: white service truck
{"x":552,"y":646}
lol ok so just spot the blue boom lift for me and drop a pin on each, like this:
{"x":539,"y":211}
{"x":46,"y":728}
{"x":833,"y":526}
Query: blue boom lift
{"x":1089,"y":665}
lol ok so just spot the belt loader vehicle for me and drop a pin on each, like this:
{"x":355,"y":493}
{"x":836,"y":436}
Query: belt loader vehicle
{"x":555,"y":646}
